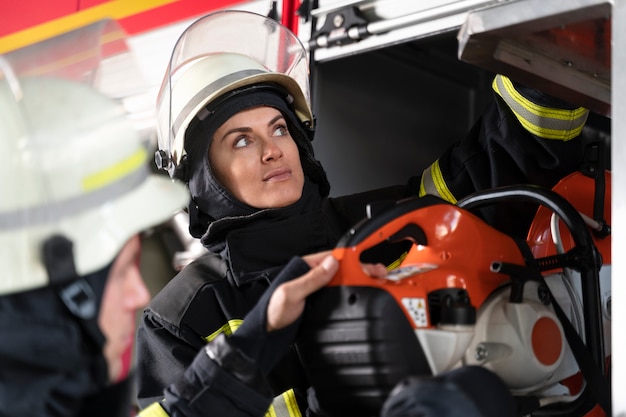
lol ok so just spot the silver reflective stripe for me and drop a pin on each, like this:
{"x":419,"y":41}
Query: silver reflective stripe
{"x":545,"y":122}
{"x":56,"y":211}
{"x":207,"y":91}
{"x":434,"y":184}
{"x":284,"y":405}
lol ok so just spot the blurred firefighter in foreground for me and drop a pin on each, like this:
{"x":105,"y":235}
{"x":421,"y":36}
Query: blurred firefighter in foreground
{"x":235,"y":124}
{"x":77,"y":193}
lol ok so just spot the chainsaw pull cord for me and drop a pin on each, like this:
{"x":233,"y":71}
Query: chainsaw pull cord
{"x":596,"y":381}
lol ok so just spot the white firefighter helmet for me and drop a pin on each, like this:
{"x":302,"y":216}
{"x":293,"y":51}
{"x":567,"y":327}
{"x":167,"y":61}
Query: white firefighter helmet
{"x":218,"y":54}
{"x":73,"y":166}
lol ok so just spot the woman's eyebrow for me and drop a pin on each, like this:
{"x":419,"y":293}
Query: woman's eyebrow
{"x":248,"y":129}
{"x":275,"y":119}
{"x":234,"y":130}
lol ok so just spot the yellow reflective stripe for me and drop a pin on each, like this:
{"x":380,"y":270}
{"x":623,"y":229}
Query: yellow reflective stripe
{"x":284,"y":405}
{"x":115,"y":172}
{"x":422,"y":191}
{"x":229,"y":328}
{"x":397,"y":262}
{"x":153,"y":410}
{"x":545,"y":122}
{"x":292,"y":405}
{"x":433,"y":183}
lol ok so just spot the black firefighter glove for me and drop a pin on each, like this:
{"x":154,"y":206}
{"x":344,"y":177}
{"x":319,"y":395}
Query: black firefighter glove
{"x":252,"y":338}
{"x":229,"y":374}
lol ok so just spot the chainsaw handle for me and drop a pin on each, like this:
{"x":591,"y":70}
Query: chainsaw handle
{"x":375,"y":222}
{"x":389,"y":223}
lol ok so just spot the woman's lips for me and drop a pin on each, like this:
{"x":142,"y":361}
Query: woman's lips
{"x":277,"y":175}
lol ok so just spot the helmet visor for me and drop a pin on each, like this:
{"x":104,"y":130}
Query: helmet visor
{"x":256,"y":47}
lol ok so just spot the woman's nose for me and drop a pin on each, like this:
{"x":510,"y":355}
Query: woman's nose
{"x":271,"y":151}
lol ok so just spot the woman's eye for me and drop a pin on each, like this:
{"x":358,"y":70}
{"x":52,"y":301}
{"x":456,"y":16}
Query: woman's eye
{"x":241,"y":142}
{"x":281,"y":131}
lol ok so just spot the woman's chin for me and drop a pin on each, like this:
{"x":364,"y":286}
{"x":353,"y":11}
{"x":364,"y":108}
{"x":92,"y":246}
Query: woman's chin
{"x":280,"y":200}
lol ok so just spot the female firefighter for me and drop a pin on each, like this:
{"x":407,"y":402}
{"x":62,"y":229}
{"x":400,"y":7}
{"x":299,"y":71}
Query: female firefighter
{"x":235,"y":124}
{"x":80,"y":195}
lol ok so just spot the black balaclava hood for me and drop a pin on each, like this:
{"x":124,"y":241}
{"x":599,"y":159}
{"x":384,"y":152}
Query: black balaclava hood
{"x":210,"y":201}
{"x":49,"y":365}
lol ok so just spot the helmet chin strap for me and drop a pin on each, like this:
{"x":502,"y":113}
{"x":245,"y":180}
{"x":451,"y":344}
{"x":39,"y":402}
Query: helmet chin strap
{"x":77,"y":295}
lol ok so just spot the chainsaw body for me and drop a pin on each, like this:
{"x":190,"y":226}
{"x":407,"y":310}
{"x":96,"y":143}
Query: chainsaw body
{"x":462,"y":293}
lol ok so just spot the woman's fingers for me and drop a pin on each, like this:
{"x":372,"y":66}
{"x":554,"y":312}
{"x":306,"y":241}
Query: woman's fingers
{"x":287,"y":301}
{"x":375,"y":270}
{"x":316,"y":258}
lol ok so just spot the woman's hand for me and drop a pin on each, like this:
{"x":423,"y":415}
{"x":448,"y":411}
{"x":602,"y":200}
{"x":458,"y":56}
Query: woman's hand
{"x":287,"y":301}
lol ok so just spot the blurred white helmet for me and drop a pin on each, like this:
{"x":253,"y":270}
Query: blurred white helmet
{"x":74,"y":166}
{"x":218,"y":54}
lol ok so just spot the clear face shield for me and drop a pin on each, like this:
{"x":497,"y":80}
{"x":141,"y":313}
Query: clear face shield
{"x":217,"y":54}
{"x":71,"y":138}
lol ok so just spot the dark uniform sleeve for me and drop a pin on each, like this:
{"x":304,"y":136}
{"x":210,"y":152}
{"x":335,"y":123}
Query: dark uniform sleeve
{"x":221,"y":381}
{"x":174,"y":327}
{"x":523,"y":137}
{"x":161,"y":357}
{"x":228,"y":376}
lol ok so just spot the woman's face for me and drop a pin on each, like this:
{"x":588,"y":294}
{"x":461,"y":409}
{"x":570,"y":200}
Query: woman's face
{"x":124,"y":294}
{"x":253,"y":155}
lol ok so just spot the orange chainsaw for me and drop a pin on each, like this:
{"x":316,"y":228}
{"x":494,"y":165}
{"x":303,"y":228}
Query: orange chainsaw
{"x":463,"y":293}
